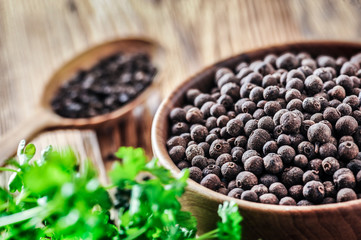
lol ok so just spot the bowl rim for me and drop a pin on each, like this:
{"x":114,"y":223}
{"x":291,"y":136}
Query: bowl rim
{"x":160,"y":151}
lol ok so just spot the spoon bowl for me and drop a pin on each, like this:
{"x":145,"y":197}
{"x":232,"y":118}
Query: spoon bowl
{"x":43,"y":116}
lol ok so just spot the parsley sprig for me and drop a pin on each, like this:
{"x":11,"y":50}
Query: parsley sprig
{"x":53,"y":198}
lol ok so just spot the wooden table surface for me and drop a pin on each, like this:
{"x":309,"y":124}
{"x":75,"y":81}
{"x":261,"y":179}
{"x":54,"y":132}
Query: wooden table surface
{"x":38,"y":36}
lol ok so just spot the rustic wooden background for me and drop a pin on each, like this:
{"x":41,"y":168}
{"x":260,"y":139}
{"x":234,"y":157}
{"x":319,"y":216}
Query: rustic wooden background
{"x":38,"y":36}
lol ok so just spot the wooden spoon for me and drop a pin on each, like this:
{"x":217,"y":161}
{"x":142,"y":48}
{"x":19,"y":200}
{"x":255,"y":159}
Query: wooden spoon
{"x":43,"y":116}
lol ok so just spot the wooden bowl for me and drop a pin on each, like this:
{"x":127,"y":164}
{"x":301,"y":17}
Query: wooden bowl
{"x":332,"y":221}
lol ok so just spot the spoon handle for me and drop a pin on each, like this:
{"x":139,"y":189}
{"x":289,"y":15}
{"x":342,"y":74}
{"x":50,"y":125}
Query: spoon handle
{"x":27,"y":129}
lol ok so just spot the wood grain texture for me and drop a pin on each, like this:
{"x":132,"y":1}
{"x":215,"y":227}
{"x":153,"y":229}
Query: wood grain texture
{"x":332,"y":221}
{"x":39,"y":36}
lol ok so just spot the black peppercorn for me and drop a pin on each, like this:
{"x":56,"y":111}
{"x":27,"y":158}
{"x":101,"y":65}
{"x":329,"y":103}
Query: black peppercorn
{"x":300,"y":161}
{"x":211,"y":123}
{"x":348,"y":150}
{"x":192,"y":151}
{"x":249,"y":195}
{"x":254,"y":164}
{"x":317,"y":117}
{"x":223,"y":158}
{"x":240,"y":141}
{"x":328,"y":150}
{"x":230,"y":170}
{"x":234,"y":127}
{"x":306,"y":148}
{"x":319,"y":132}
{"x":290,"y":122}
{"x":266,"y":123}
{"x":256,"y":94}
{"x":295,"y":192}
{"x":292,"y":94}
{"x":199,"y":161}
{"x":346,"y":125}
{"x":219,"y":147}
{"x":176,"y":141}
{"x":270,"y":147}
{"x":294,"y":104}
{"x":314,"y":191}
{"x":212,"y":169}
{"x":246,"y":180}
{"x":330,"y":190}
{"x":310,"y":175}
{"x":272,"y":107}
{"x":337,"y":92}
{"x":259,"y":113}
{"x":195,"y":174}
{"x":194,"y":115}
{"x":179,"y":128}
{"x":249,"y":153}
{"x":331,"y":114}
{"x":287,"y":153}
{"x":177,"y":153}
{"x":236,"y":193}
{"x":273,"y":163}
{"x":287,"y":61}
{"x":222,"y":121}
{"x":217,"y":110}
{"x":278,"y":115}
{"x":269,"y":198}
{"x":250,"y":126}
{"x":287,"y":201}
{"x":211,"y":181}
{"x":231,"y":89}
{"x":292,"y":176}
{"x":268,"y":179}
{"x":344,"y":109}
{"x":257,"y":139}
{"x":313,"y":84}
{"x":344,"y":178}
{"x":183,"y":164}
{"x":311,"y":105}
{"x":278,"y":189}
{"x":346,"y":194}
{"x":354,"y":165}
{"x":199,"y":133}
{"x":259,"y":189}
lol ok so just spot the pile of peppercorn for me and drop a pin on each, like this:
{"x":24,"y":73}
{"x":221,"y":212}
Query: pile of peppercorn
{"x":282,"y":130}
{"x":108,"y":85}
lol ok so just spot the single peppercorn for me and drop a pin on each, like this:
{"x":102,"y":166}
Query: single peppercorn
{"x":278,"y":189}
{"x":199,"y":133}
{"x":295,"y":192}
{"x":269,"y":198}
{"x":346,"y":194}
{"x":273,"y":163}
{"x":194,"y":115}
{"x":176,"y":141}
{"x":234,"y":127}
{"x":223,"y":158}
{"x":310,"y":175}
{"x":319,"y":132}
{"x":287,"y":201}
{"x":330,"y":190}
{"x":337,"y":92}
{"x":354,"y":165}
{"x":344,"y":178}
{"x":270,"y":147}
{"x":311,"y":105}
{"x":306,"y":148}
{"x":305,"y":125}
{"x":231,"y":89}
{"x":271,"y":107}
{"x":259,"y":189}
{"x":290,"y":122}
{"x":327,"y":150}
{"x":183,"y":164}
{"x":314,"y":191}
{"x":300,"y":161}
{"x":254,"y":165}
{"x":249,"y":195}
{"x":250,"y":126}
{"x":313,"y":84}
{"x":287,"y":153}
{"x":230,"y":170}
{"x":212,"y":169}
{"x":192,"y":151}
{"x":177,"y":153}
{"x":246,"y":180}
{"x":331,"y":114}
{"x":257,"y":139}
{"x":348,"y":150}
{"x":219,"y":147}
{"x":195,"y":174}
{"x":236,"y":193}
{"x":211,"y":181}
{"x":199,"y":161}
{"x":330,"y":165}
{"x":292,"y":176}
